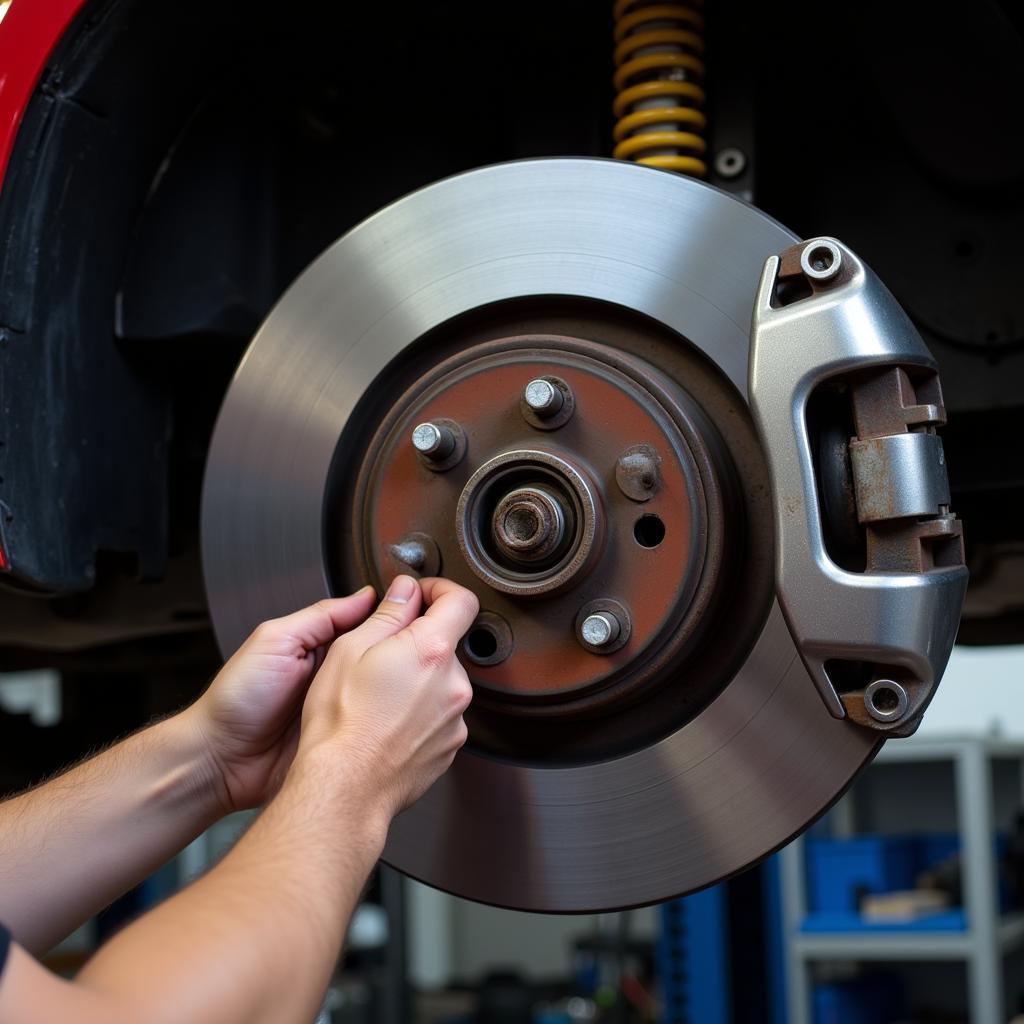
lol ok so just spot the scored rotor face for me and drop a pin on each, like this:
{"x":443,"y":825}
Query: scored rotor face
{"x":531,"y":379}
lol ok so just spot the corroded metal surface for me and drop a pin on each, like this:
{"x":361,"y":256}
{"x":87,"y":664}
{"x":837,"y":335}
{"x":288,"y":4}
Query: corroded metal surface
{"x":572,"y":471}
{"x":491,"y":512}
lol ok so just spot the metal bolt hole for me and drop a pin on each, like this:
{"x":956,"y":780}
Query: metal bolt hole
{"x":821,"y":259}
{"x":649,"y":531}
{"x":885,"y":700}
{"x":481,"y":644}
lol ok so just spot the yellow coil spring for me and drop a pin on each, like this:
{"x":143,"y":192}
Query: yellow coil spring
{"x":659,"y":66}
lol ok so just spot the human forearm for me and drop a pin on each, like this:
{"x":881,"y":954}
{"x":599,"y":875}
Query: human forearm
{"x":255,"y":940}
{"x":69,"y":847}
{"x":271,"y":916}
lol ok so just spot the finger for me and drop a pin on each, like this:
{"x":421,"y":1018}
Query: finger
{"x":321,"y":623}
{"x":401,"y":605}
{"x":450,"y":607}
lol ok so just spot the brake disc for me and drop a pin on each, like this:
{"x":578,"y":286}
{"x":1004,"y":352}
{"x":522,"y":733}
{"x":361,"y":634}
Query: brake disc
{"x":533,"y":379}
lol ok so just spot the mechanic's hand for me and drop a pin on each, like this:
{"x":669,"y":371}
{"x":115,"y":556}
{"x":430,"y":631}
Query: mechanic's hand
{"x":391,"y":694}
{"x":249,"y":717}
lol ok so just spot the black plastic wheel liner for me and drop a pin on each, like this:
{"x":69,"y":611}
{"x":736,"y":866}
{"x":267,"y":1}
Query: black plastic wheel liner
{"x":83,"y":436}
{"x":176,"y":168}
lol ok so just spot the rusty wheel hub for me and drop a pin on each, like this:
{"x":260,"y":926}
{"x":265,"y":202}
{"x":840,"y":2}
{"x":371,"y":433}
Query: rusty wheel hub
{"x":591,"y":503}
{"x":621,"y":501}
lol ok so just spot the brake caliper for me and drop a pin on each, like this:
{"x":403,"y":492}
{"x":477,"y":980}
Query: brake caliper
{"x":870,"y":570}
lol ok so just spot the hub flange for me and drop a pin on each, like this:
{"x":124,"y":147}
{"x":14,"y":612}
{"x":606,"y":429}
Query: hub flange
{"x":537,"y":522}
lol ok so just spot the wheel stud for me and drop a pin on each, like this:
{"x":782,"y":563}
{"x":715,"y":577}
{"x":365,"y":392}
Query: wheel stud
{"x":433,"y":441}
{"x":601,"y":629}
{"x":543,"y":397}
{"x":547,"y":403}
{"x":603,"y":626}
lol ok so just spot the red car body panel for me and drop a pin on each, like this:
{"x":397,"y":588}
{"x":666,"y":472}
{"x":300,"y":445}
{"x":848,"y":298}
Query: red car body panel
{"x":28,"y":34}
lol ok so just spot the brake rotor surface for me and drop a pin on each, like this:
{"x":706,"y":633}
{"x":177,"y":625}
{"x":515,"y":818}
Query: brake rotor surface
{"x":568,"y":340}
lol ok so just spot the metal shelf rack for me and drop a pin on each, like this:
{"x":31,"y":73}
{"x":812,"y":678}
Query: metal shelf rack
{"x":988,"y":935}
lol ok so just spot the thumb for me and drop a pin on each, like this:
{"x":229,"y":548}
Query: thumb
{"x":401,"y":605}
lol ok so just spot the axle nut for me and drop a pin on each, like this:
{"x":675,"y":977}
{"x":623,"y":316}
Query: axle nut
{"x":529,"y":524}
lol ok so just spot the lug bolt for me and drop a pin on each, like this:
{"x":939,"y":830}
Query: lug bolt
{"x":547,"y":403}
{"x":603,"y":626}
{"x":433,"y":441}
{"x":543,"y":397}
{"x":600,"y":629}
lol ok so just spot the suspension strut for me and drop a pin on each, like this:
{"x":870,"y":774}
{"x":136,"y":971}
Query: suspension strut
{"x":659,"y":68}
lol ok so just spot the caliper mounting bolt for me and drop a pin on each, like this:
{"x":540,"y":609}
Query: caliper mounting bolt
{"x":730,"y":162}
{"x":886,"y":700}
{"x":821,"y":260}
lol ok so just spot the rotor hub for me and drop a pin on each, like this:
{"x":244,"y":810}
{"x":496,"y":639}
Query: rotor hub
{"x":612,"y":492}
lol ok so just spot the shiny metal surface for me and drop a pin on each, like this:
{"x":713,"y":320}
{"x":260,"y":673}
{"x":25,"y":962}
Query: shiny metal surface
{"x":886,"y":700}
{"x":822,"y":260}
{"x":599,"y":629}
{"x":542,"y":397}
{"x":430,"y":439}
{"x":899,"y":618}
{"x":749,"y":772}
